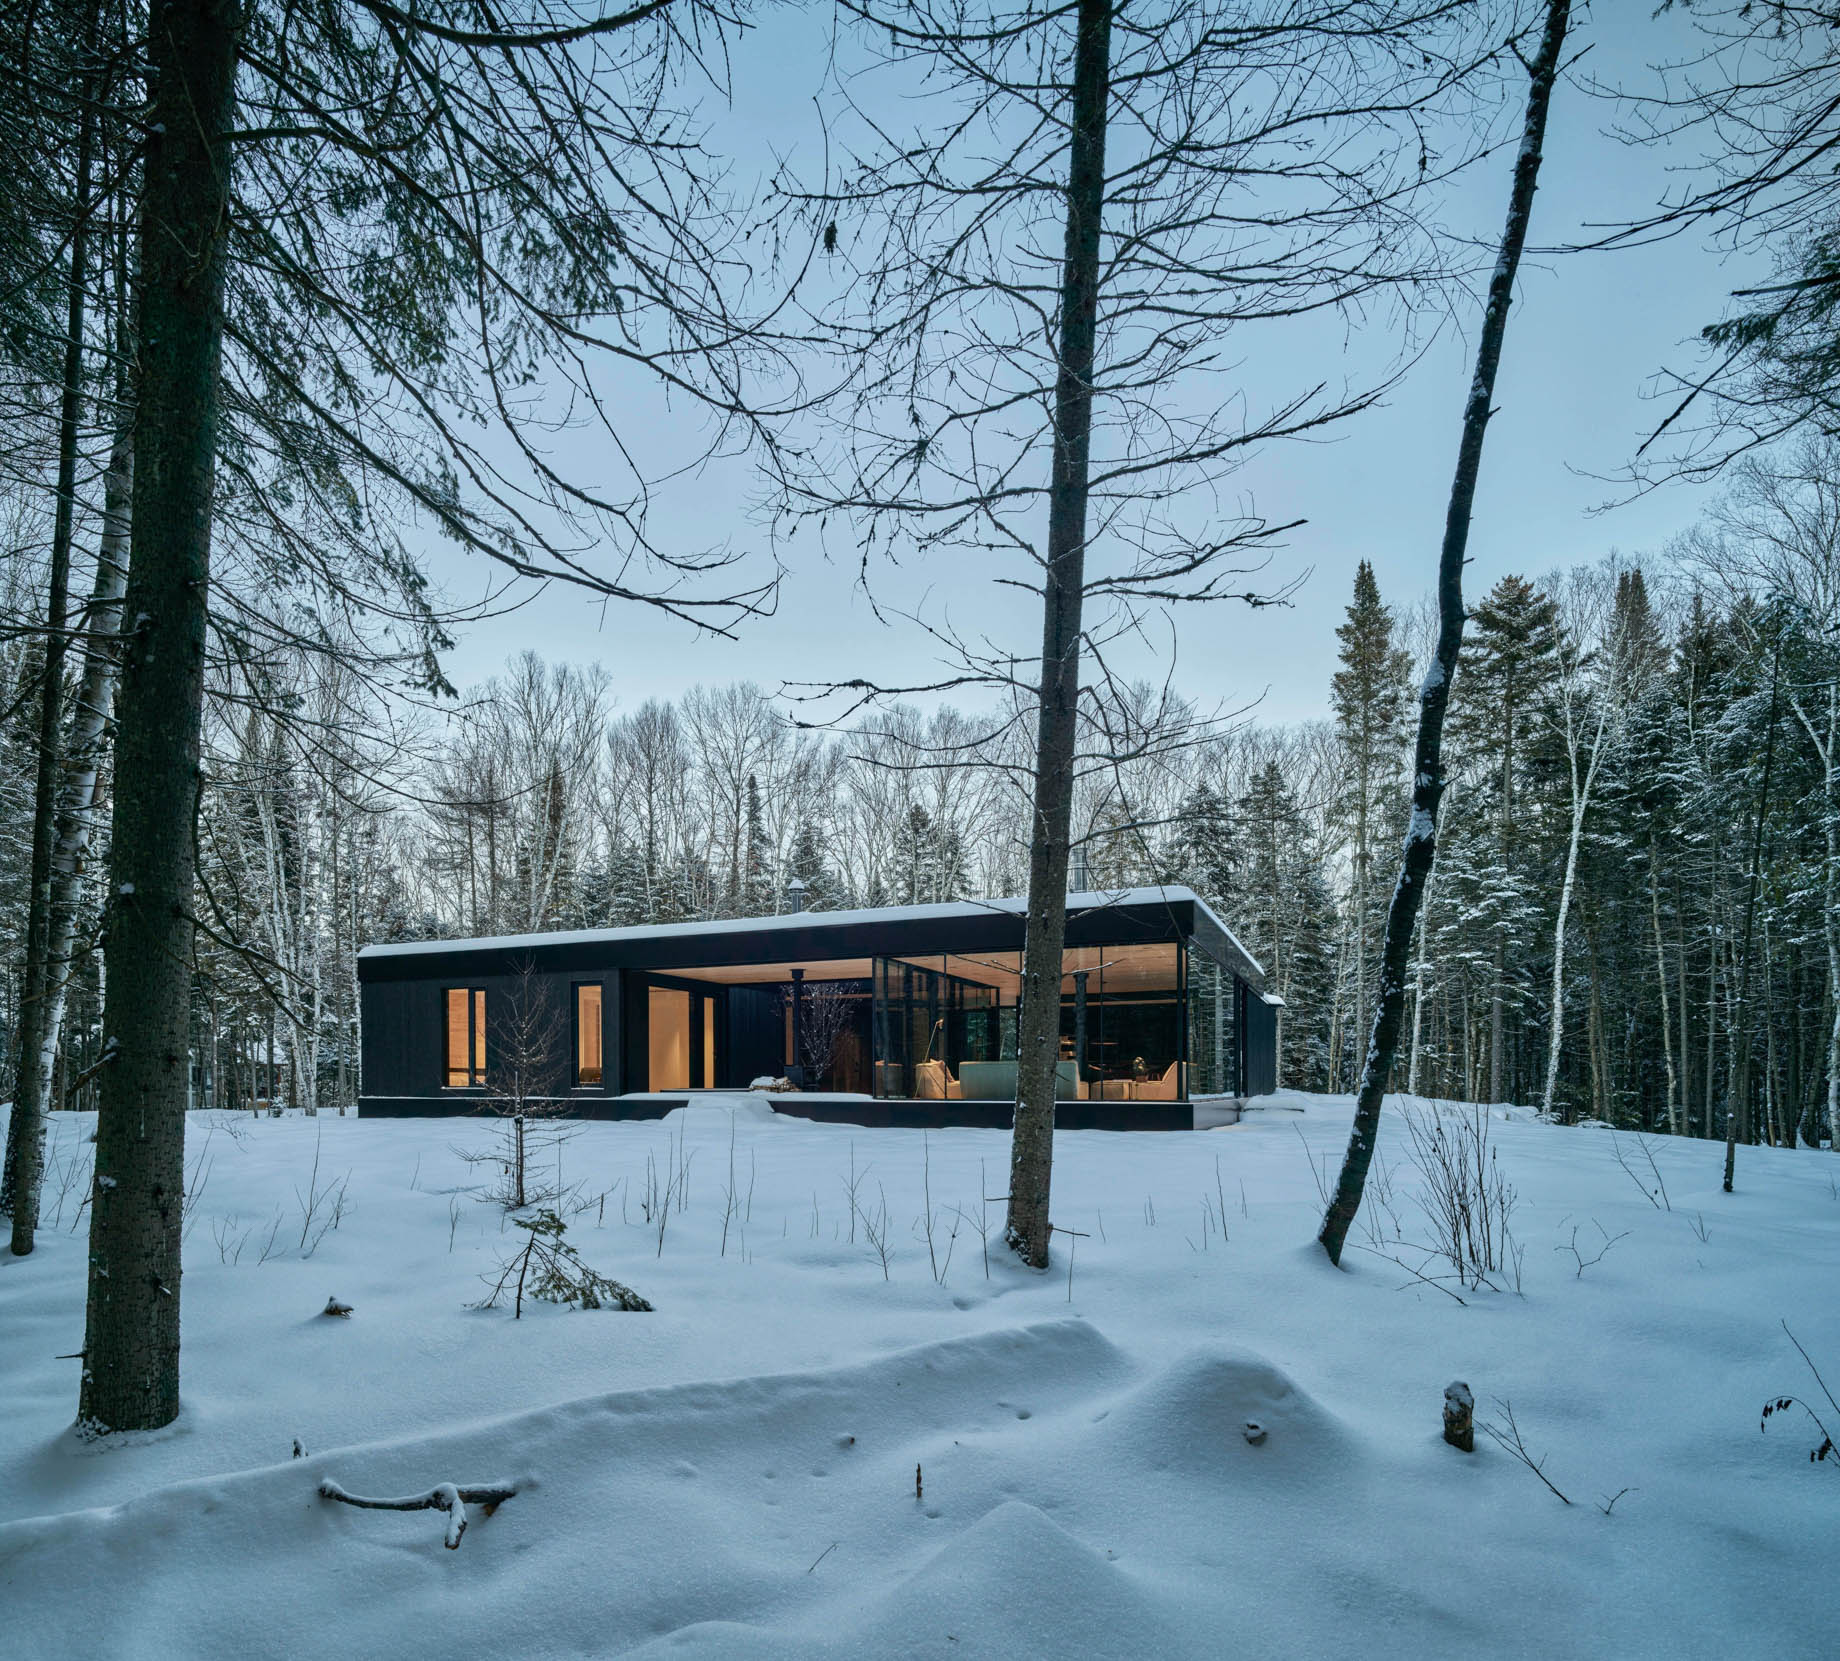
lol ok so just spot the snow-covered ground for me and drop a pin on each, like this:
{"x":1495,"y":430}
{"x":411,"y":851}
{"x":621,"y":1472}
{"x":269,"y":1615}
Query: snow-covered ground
{"x":734,"y":1474}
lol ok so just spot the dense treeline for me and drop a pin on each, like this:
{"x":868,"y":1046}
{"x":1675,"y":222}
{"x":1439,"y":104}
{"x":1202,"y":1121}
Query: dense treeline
{"x":1629,"y":745}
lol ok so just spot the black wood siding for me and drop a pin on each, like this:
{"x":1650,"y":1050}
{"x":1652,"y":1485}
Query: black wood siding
{"x":1260,"y":1025}
{"x":404,"y":1036}
{"x":756,"y":1036}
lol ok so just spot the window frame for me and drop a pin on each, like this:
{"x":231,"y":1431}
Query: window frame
{"x":576,"y":1081}
{"x":475,"y":1068}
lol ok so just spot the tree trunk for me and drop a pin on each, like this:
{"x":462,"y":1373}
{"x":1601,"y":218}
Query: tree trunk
{"x":1581,"y":801}
{"x":1434,"y":696}
{"x":1063,"y":590}
{"x":130,"y":1377}
{"x":1828,"y":749}
{"x":1661,"y":986}
{"x":1418,"y":988}
{"x":1593,"y":1037}
{"x":43,"y":1030}
{"x":1686,"y":1004}
{"x":1712,"y":1031}
{"x":1738,"y":1106}
{"x":1360,"y":913}
{"x":1495,"y":1020}
{"x":25,"y":1156}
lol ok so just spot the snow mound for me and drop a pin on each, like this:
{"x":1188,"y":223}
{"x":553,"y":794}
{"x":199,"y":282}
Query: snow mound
{"x":764,"y":1473}
{"x":1062,"y":1597}
{"x":1014,"y":1586}
{"x":1192,"y":1418}
{"x":745,"y":1105}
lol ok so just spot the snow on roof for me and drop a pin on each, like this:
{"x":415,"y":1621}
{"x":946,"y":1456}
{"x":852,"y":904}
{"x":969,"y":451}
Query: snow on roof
{"x":1094,"y":900}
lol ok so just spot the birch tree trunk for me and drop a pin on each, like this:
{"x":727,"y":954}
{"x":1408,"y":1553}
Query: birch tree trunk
{"x":1434,"y":696}
{"x":1581,"y":801}
{"x":75,"y":818}
{"x":1686,"y":1005}
{"x":130,"y":1377}
{"x":1826,"y":748}
{"x":25,"y":1157}
{"x":1063,"y":591}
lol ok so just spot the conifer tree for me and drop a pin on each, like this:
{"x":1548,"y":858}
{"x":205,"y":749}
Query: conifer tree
{"x":1369,"y":696}
{"x":1203,"y":851}
{"x":1509,"y":665}
{"x":1286,"y":911}
{"x":758,"y":897}
{"x":811,"y":866}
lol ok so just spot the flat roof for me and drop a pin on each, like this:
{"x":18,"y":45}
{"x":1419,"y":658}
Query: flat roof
{"x":697,"y":940}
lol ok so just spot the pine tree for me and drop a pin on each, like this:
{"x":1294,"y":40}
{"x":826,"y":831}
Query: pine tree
{"x":1509,"y":666}
{"x":913,"y":855}
{"x":1202,"y":852}
{"x":1287,"y":916}
{"x":823,"y":891}
{"x":1369,"y":696}
{"x":757,"y":896}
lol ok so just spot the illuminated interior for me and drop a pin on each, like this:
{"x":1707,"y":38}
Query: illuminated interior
{"x":668,"y":1038}
{"x":588,"y":1068}
{"x":944,"y":1027}
{"x":466,"y":1037}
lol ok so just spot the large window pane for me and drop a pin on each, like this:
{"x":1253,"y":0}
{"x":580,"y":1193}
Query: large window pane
{"x":466,"y":1037}
{"x":668,"y":1038}
{"x":1212,"y":1048}
{"x":1132,"y":1022}
{"x":588,"y":1035}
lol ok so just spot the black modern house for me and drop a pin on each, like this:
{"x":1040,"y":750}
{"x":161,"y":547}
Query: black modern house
{"x":899,"y":1016}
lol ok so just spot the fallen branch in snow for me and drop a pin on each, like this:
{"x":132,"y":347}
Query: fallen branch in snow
{"x":1781,"y":1404}
{"x":1435,"y":1281}
{"x":1656,"y":1196}
{"x":1507,"y":1435}
{"x":1580,"y":1259}
{"x":444,"y":1496}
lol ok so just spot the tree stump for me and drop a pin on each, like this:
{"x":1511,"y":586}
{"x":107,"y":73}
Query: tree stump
{"x":1460,"y":1416}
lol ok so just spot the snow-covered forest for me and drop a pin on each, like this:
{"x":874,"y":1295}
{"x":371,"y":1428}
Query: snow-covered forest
{"x":1613,"y":725}
{"x":469,"y":470}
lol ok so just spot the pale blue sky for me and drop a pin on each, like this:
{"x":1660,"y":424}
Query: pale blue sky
{"x":1587,"y":337}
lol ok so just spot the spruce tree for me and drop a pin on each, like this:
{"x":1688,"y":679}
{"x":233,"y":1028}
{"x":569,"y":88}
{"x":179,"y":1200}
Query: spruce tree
{"x":1369,"y":696}
{"x":823,"y":891}
{"x":757,"y":896}
{"x":1203,"y":851}
{"x":1286,"y":915}
{"x":1510,"y":662}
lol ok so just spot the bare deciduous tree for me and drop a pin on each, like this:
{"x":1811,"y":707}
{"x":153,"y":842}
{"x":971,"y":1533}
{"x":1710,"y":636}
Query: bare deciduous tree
{"x":1434,"y":694}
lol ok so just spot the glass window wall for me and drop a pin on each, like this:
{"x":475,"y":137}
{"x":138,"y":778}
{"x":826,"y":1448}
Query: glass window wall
{"x":945,"y":1027}
{"x":1213,"y":1043}
{"x":588,"y":1069}
{"x":668,"y":1038}
{"x":466,"y":1037}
